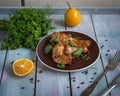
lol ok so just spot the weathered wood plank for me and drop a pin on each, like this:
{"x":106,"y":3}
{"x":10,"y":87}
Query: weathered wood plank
{"x":85,"y":26}
{"x":61,"y":10}
{"x":58,"y":23}
{"x":13,"y":85}
{"x":2,"y":56}
{"x":2,"y":52}
{"x":81,"y":80}
{"x":52,"y":83}
{"x":20,"y":86}
{"x":49,"y":82}
{"x":108,"y":32}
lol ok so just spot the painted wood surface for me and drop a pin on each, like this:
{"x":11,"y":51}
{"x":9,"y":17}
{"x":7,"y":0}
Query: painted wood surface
{"x":2,"y":56}
{"x":12,"y":85}
{"x":45,"y":82}
{"x":107,"y":28}
{"x":49,"y":82}
{"x":2,"y":52}
{"x":81,"y":80}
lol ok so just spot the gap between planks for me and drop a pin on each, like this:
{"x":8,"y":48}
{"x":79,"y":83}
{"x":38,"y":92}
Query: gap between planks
{"x":70,"y":83}
{"x":22,"y":2}
{"x":100,"y":54}
{"x":3,"y":67}
{"x":35,"y":83}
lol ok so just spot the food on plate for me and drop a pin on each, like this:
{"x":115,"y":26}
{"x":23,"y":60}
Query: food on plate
{"x":64,"y":48}
{"x":23,"y":67}
{"x":72,"y":42}
{"x":59,"y":55}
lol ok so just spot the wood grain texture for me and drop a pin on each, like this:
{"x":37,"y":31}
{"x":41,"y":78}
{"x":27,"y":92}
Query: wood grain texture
{"x":2,"y":52}
{"x":49,"y":82}
{"x":46,"y":82}
{"x":2,"y":57}
{"x":83,"y":79}
{"x":85,"y":26}
{"x":13,"y":85}
{"x":108,"y":32}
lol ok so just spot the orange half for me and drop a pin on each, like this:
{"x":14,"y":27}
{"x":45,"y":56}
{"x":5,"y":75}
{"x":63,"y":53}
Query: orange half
{"x":23,"y":67}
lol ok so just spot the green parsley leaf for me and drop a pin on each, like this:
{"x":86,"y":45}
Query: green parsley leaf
{"x":69,"y":42}
{"x":61,"y":66}
{"x":48,"y":48}
{"x":77,"y":53}
{"x":85,"y":58}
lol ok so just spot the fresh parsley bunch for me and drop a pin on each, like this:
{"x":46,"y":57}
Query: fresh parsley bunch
{"x":26,"y":27}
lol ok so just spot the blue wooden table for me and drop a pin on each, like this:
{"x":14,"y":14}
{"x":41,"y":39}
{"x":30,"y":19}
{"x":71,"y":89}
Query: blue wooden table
{"x":104,"y":28}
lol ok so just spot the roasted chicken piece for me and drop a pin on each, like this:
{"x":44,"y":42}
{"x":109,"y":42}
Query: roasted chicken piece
{"x":59,"y":56}
{"x":84,"y":44}
{"x":66,"y":45}
{"x":69,"y":49}
{"x":62,"y":37}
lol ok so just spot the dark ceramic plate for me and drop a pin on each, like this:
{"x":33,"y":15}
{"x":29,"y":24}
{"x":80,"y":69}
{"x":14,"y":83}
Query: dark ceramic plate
{"x":79,"y":64}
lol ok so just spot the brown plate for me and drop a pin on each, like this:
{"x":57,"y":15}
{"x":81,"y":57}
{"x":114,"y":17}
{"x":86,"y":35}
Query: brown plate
{"x":79,"y":64}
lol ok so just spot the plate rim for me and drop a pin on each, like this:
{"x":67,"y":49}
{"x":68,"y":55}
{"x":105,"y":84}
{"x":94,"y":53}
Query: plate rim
{"x":61,"y":70}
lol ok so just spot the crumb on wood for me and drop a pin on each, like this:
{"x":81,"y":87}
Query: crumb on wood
{"x":22,"y":87}
{"x":82,"y":82}
{"x":40,"y":71}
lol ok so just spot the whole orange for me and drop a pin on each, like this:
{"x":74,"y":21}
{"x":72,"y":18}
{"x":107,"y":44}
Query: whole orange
{"x":72,"y":16}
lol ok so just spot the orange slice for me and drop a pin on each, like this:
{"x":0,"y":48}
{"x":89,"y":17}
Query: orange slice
{"x":23,"y":67}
